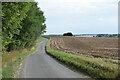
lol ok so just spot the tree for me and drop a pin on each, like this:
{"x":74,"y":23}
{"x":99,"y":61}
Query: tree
{"x":33,"y":26}
{"x":13,"y":14}
{"x":111,"y":36}
{"x":68,"y":34}
{"x":99,"y":35}
{"x":22,"y":23}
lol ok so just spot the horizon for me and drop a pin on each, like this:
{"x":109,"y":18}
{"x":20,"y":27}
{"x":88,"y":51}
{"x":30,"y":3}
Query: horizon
{"x":82,"y":34}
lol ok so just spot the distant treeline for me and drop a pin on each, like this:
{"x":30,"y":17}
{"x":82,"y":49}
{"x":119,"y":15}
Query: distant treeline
{"x":108,"y":35}
{"x":94,"y":35}
{"x":22,"y":24}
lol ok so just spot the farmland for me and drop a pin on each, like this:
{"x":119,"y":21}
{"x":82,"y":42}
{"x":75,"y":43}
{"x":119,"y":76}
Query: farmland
{"x":97,"y":47}
{"x":93,"y":56}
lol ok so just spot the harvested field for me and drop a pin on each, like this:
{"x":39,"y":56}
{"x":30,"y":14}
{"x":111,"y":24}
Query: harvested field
{"x":96,"y":47}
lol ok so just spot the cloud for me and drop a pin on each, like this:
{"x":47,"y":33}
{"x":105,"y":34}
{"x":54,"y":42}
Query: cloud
{"x":80,"y":14}
{"x":101,"y":19}
{"x":74,"y":6}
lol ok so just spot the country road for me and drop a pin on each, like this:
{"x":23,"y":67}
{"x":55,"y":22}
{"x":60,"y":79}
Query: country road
{"x":41,"y":65}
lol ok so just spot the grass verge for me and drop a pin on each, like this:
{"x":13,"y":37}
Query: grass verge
{"x":11,"y":61}
{"x":39,"y":39}
{"x":96,"y":68}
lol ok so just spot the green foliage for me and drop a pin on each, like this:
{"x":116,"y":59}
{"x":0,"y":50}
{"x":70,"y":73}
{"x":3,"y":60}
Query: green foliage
{"x":39,"y":39}
{"x":94,"y":67}
{"x":11,"y":60}
{"x":22,"y":23}
{"x":68,"y":34}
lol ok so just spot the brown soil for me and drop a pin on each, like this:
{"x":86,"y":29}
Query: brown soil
{"x":98,"y":47}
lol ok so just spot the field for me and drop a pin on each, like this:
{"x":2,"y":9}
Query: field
{"x":98,"y":47}
{"x":92,"y":56}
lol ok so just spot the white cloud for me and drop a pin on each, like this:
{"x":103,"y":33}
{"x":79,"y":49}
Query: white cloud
{"x":101,"y":19}
{"x":74,"y":6}
{"x":112,"y":19}
{"x":71,"y":13}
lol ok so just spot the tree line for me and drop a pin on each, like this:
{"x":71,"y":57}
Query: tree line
{"x":22,"y":24}
{"x":107,"y":35}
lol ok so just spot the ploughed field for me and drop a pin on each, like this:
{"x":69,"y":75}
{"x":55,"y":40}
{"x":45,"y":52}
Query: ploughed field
{"x":96,"y":47}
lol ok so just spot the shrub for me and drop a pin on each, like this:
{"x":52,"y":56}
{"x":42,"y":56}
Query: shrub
{"x":68,"y":34}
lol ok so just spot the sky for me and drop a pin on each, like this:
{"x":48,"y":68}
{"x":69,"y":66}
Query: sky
{"x":80,"y":16}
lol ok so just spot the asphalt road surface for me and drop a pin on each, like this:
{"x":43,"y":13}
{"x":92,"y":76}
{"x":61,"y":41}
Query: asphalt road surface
{"x":41,"y":65}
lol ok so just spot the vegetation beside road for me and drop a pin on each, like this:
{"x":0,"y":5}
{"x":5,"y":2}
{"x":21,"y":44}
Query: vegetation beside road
{"x":94,"y":67}
{"x":11,"y":61}
{"x":22,"y":24}
{"x":39,"y":39}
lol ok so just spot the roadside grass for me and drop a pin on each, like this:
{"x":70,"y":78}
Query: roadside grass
{"x":47,"y":37}
{"x":11,"y":61}
{"x":39,"y":39}
{"x":96,"y":68}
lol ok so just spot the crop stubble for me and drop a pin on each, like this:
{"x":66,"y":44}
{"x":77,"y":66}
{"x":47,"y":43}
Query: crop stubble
{"x":96,"y":47}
